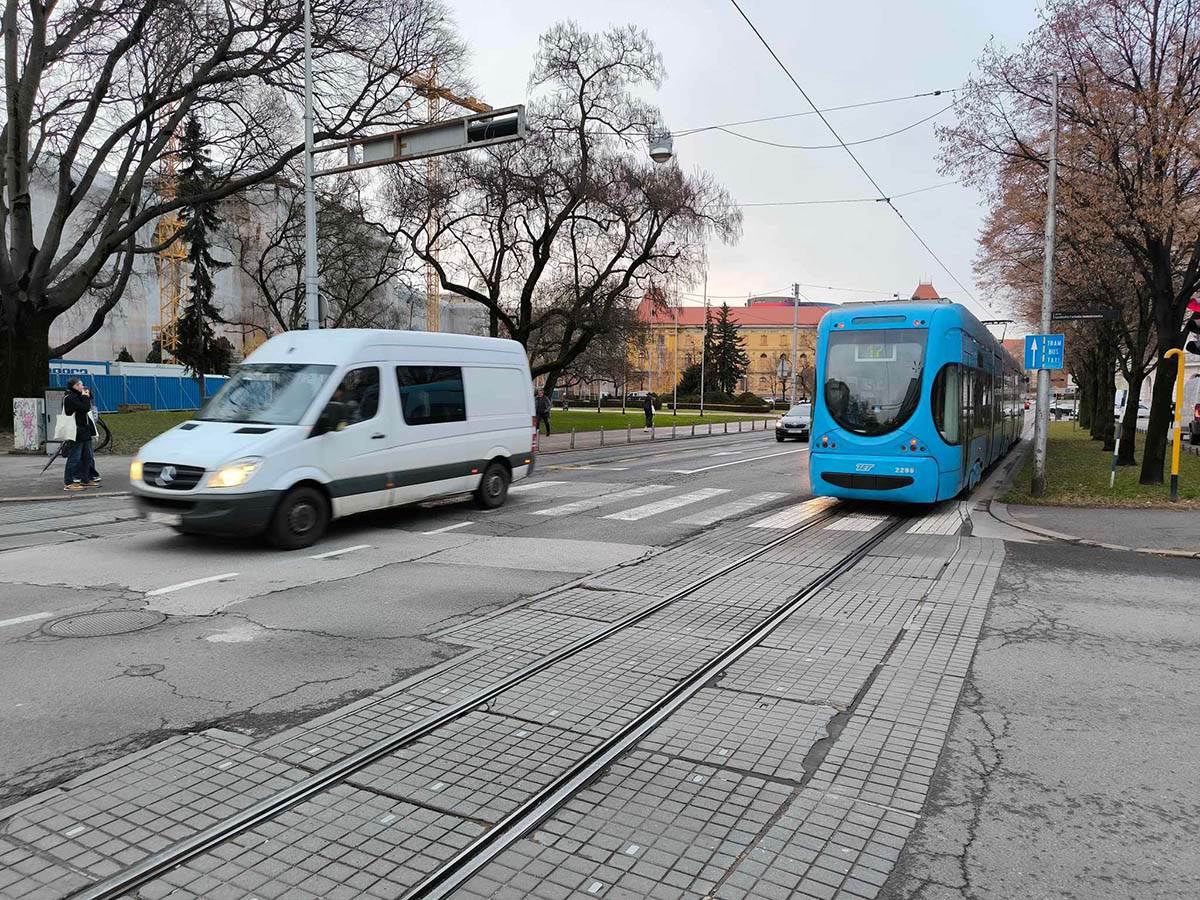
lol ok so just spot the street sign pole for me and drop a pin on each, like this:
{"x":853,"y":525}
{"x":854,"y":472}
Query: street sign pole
{"x":795,"y":335}
{"x":311,"y":301}
{"x":704,"y":342}
{"x":1042,"y":419}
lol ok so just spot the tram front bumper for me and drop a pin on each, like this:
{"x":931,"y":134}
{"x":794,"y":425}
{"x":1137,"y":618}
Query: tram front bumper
{"x":910,"y":479}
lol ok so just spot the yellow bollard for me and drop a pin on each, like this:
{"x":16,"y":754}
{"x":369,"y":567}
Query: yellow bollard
{"x":1178,"y":435}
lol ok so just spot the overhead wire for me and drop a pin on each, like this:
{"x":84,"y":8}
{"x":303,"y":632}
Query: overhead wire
{"x":683,"y":132}
{"x":882,"y":193}
{"x":870,"y":140}
{"x":932,"y":187}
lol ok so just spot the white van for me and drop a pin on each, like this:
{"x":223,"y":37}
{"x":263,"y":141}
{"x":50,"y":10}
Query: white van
{"x":321,"y":424}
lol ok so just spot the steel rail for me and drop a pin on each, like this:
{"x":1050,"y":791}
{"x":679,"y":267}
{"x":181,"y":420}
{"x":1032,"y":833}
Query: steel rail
{"x":120,"y":883}
{"x":542,"y":805}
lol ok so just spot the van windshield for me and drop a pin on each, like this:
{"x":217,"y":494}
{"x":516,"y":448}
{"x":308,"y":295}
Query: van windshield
{"x":266,"y":394}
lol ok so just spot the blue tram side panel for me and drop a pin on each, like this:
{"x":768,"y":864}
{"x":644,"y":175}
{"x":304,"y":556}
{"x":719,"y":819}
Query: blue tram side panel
{"x":915,"y":401}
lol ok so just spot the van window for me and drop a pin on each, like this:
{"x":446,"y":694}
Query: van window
{"x":266,"y":394}
{"x":431,"y":394}
{"x":355,"y":400}
{"x":495,"y":392}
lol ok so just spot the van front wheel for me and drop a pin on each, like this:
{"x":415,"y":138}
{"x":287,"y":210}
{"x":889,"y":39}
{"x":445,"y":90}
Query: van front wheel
{"x":493,"y":487}
{"x":300,"y":519}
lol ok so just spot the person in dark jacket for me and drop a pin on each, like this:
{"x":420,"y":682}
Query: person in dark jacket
{"x":542,"y":407}
{"x":81,"y":464}
{"x":648,"y":409}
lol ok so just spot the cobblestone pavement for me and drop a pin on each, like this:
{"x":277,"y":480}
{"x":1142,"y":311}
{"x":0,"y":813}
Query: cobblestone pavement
{"x":798,"y":770}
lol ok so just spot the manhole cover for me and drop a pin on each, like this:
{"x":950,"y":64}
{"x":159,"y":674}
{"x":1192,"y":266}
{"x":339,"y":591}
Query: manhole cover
{"x":99,"y":624}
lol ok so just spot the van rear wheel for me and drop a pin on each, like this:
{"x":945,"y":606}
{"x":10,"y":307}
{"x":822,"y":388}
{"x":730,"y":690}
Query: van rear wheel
{"x":493,"y":487}
{"x":300,"y":519}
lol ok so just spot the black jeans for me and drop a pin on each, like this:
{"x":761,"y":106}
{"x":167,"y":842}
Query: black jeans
{"x":545,"y":420}
{"x":81,"y":464}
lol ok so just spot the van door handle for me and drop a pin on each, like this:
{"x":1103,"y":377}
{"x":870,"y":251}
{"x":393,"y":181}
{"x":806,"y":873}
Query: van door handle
{"x":376,"y":437}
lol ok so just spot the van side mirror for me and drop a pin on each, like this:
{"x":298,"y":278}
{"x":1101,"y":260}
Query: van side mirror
{"x":325,"y":422}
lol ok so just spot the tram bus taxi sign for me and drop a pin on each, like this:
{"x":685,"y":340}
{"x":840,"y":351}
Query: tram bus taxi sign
{"x":1045,"y":351}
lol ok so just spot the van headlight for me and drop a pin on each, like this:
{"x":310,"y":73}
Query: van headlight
{"x":135,"y":470}
{"x":235,"y":473}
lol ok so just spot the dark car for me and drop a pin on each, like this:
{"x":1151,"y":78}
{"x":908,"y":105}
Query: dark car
{"x":795,"y":423}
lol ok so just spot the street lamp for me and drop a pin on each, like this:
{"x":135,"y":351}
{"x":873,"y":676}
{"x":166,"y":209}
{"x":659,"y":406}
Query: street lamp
{"x":662,"y":147}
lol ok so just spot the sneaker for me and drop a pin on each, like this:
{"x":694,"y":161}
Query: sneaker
{"x":74,"y":486}
{"x":96,"y":479}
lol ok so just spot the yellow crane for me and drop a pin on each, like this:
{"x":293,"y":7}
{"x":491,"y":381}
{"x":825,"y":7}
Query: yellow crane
{"x":434,"y":96}
{"x":169,"y":260}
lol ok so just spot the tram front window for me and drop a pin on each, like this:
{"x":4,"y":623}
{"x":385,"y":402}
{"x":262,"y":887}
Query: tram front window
{"x":873,"y":378}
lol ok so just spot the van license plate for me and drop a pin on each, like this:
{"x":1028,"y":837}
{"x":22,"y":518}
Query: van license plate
{"x":162,"y":518}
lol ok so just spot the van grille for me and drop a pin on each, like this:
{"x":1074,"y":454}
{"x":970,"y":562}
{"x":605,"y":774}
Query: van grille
{"x":170,"y":476}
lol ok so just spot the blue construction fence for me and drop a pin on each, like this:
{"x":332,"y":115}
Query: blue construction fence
{"x":155,"y":391}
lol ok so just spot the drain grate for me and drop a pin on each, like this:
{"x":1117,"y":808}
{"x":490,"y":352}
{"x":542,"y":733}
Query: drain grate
{"x":100,"y":624}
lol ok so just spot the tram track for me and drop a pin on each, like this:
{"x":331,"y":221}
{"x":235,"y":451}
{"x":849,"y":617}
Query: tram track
{"x":543,"y":803}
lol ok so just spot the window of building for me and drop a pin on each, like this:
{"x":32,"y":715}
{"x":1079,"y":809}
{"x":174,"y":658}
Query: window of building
{"x":762,"y":340}
{"x":355,"y":400}
{"x":431,"y":394}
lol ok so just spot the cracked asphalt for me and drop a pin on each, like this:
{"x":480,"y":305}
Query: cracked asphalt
{"x":1070,"y":770}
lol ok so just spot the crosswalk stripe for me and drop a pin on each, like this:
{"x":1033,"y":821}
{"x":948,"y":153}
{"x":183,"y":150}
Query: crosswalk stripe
{"x":947,"y":521}
{"x":522,"y":486}
{"x":857,"y":522}
{"x":577,"y":506}
{"x":795,"y":515}
{"x":732,"y":509}
{"x":661,"y":506}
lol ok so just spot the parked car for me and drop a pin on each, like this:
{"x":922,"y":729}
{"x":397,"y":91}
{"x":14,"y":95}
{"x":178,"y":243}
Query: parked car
{"x":316,"y":425}
{"x":795,"y":423}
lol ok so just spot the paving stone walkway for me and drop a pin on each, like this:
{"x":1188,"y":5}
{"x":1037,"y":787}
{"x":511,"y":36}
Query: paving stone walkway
{"x":797,"y":771}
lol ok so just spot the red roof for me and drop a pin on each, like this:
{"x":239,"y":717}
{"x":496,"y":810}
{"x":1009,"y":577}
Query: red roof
{"x":745,"y":316}
{"x":925,"y":291}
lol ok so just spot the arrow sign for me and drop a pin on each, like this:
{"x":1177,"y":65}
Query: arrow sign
{"x":1045,"y":351}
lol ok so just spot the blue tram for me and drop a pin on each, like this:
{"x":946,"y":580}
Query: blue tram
{"x":916,"y":401}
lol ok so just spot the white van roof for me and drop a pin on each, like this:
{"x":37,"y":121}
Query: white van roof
{"x":337,"y":345}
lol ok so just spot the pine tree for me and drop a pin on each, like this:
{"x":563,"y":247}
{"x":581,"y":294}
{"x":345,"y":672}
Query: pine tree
{"x":730,"y":361}
{"x":198,"y":345}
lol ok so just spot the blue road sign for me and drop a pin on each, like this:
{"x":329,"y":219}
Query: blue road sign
{"x":1045,"y":351}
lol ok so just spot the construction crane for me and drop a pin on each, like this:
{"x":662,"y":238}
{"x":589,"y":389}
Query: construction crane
{"x":434,"y":96}
{"x":169,"y":259}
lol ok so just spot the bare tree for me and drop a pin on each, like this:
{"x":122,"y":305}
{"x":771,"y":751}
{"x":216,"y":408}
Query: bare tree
{"x":95,"y":91}
{"x":360,"y":263}
{"x":1130,"y":110}
{"x":558,"y":235}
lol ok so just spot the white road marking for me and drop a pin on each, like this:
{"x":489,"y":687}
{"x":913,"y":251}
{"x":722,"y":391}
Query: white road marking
{"x":522,"y":486}
{"x":947,"y":521}
{"x":577,"y":506}
{"x":661,"y":506}
{"x":32,"y":617}
{"x":448,"y":528}
{"x":857,"y":522}
{"x":795,"y":515}
{"x":729,"y":510}
{"x":328,"y":554}
{"x":599,"y":468}
{"x":187,"y":584}
{"x":736,"y":462}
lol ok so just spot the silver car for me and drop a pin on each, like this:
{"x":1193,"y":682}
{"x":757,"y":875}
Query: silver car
{"x":795,"y":423}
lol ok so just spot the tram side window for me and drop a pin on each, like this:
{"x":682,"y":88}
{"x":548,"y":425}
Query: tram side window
{"x":982,"y":403}
{"x":946,"y":400}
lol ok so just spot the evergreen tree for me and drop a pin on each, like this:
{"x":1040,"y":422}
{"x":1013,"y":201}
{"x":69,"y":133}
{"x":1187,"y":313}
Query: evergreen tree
{"x":728,"y":352}
{"x":199,"y":348}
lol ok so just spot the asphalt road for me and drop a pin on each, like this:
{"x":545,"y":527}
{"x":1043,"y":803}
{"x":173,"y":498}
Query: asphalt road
{"x":254,"y":640}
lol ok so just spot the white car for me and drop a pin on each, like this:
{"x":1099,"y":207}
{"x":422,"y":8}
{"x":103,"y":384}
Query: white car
{"x":321,"y":424}
{"x":795,"y":423}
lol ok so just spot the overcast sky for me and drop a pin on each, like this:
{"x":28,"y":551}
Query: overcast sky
{"x":844,"y":52}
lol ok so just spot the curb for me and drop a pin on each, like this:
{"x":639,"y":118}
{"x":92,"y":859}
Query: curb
{"x":999,"y":511}
{"x":64,"y":496}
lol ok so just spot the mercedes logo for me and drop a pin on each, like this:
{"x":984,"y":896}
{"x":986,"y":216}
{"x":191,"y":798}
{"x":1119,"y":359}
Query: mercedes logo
{"x":166,"y":476}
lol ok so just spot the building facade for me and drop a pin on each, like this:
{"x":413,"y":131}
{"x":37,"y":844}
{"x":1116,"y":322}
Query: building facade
{"x":676,"y":340}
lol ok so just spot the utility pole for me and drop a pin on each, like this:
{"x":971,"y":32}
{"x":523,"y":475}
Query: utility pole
{"x":311,"y":301}
{"x":704,"y":342}
{"x":795,"y":335}
{"x":675,"y":360}
{"x":1041,"y":423}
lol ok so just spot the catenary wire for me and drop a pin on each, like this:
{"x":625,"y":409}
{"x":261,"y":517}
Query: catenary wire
{"x":850,"y":152}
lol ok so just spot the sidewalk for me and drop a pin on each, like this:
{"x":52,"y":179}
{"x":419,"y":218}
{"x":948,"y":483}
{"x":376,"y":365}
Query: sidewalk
{"x":21,"y":477}
{"x":1153,"y":530}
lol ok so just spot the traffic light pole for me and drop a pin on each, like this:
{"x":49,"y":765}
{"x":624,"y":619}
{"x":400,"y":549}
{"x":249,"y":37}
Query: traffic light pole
{"x":795,"y":335}
{"x":1041,"y":423}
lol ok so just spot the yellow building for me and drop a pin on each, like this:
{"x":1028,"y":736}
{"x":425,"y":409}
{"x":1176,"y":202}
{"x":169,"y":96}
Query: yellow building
{"x":765,"y":324}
